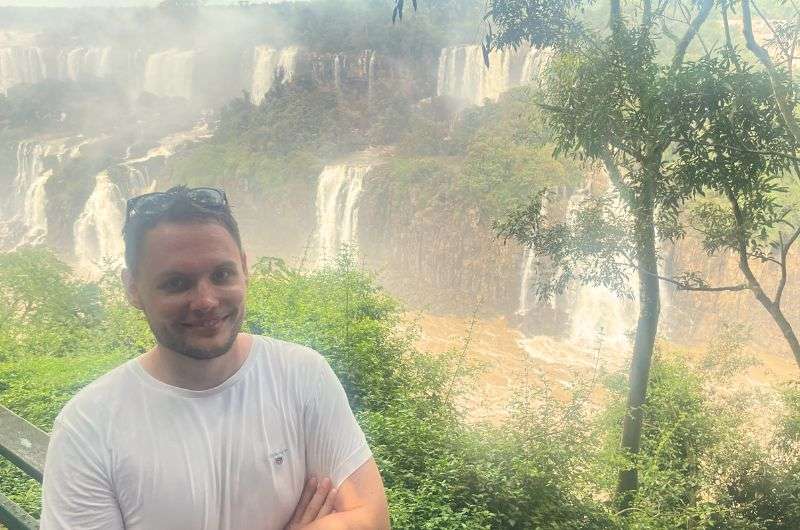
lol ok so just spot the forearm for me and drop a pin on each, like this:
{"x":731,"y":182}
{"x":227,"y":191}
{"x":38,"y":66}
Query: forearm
{"x":356,"y":519}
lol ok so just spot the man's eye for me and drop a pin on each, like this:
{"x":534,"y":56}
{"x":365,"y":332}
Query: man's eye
{"x":174,"y":284}
{"x":222,"y":275}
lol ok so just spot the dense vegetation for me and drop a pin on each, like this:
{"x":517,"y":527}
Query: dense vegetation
{"x":493,"y":157}
{"x":551,"y":465}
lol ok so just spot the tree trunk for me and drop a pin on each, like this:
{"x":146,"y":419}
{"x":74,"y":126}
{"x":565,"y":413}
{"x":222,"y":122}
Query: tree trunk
{"x":646,"y":328}
{"x":786,"y":328}
{"x":773,"y":308}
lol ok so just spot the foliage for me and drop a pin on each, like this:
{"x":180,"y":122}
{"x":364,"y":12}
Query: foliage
{"x":592,"y":243}
{"x":439,"y":472}
{"x":542,"y":468}
{"x":700,"y":464}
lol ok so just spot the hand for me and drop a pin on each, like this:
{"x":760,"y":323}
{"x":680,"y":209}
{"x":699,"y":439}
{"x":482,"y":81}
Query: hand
{"x":316,"y":502}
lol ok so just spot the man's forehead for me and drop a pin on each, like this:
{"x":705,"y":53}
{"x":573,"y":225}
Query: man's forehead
{"x":187,"y":245}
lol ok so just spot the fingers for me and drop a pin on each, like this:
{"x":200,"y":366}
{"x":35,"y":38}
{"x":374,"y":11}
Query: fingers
{"x":317,"y":501}
{"x":305,"y":497}
{"x":327,"y":506}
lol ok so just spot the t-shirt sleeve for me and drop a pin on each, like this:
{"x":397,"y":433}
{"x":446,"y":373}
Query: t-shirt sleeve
{"x":335,"y":444}
{"x":77,"y":492}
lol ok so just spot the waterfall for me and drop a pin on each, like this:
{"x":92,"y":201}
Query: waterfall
{"x":78,"y":64}
{"x":21,"y":65}
{"x":534,"y":64}
{"x":462,"y":73}
{"x":370,"y":74}
{"x":337,"y":72}
{"x":598,"y":314}
{"x":98,"y":228}
{"x":170,"y":73}
{"x":29,"y":184}
{"x":528,"y":262}
{"x":29,"y":197}
{"x":266,"y":63}
{"x":31,"y":64}
{"x":338,"y":191}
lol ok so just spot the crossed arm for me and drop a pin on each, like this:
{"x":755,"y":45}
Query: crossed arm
{"x":358,"y":504}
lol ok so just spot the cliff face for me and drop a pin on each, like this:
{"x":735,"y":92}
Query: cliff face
{"x":693,"y":317}
{"x":435,"y":252}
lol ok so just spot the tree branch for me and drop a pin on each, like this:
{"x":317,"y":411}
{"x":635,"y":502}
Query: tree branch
{"x":704,"y":288}
{"x":690,"y":34}
{"x":615,"y":16}
{"x":784,"y":254}
{"x":746,"y":150}
{"x":684,"y":286}
{"x":781,"y":95}
{"x":667,"y":33}
{"x":760,"y":14}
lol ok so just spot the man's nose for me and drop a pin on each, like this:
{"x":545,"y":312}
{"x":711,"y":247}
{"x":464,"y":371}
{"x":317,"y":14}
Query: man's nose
{"x":204,"y":298}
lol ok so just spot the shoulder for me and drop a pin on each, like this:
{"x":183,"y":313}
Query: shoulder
{"x":94,"y":405}
{"x":291,"y":363}
{"x":288,"y":355}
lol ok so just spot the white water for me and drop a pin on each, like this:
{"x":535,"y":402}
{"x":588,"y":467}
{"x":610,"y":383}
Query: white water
{"x":83,"y":63}
{"x":98,"y":230}
{"x":170,"y":73}
{"x":462,"y":73}
{"x":33,"y":64}
{"x":21,"y":65}
{"x":370,"y":74}
{"x":338,"y":190}
{"x":266,"y":63}
{"x":29,"y":197}
{"x":598,"y":315}
{"x":30,"y":186}
{"x":528,"y":262}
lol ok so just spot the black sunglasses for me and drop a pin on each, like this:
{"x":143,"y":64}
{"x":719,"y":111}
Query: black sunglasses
{"x":157,"y":202}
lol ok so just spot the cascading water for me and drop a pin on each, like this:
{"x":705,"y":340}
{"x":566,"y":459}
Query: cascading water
{"x":83,"y":63}
{"x":370,"y":74}
{"x":25,"y":218}
{"x":170,"y":73}
{"x":97,"y":230}
{"x":528,"y":270}
{"x":21,"y":65}
{"x":528,"y":262}
{"x":29,"y":185}
{"x":338,"y":190}
{"x":33,"y":64}
{"x":266,"y":63}
{"x":462,"y":73}
{"x":597,"y":314}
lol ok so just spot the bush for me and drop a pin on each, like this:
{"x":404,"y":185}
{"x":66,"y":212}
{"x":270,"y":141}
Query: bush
{"x":543,"y":468}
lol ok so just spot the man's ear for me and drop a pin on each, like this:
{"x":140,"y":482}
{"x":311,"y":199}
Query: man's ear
{"x":131,"y":290}
{"x":244,"y":268}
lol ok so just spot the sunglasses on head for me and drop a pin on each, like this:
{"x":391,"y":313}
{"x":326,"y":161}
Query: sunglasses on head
{"x":159,"y":201}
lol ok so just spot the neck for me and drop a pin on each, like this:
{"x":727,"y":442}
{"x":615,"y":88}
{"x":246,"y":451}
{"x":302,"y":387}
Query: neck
{"x":196,"y":374}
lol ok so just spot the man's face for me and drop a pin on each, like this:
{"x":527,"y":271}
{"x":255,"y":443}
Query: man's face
{"x":190,"y":282}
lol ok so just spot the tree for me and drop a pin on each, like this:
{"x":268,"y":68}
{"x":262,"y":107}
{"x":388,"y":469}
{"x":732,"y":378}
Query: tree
{"x":665,"y":130}
{"x":611,"y":101}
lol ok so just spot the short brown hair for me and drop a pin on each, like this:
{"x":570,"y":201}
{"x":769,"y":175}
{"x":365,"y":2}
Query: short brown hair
{"x":181,"y":209}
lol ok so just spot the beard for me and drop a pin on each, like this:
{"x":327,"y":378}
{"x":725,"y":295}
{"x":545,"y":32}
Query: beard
{"x":180,"y":344}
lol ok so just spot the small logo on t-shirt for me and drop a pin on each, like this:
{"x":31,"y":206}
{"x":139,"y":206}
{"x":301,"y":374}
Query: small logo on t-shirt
{"x":278,"y":457}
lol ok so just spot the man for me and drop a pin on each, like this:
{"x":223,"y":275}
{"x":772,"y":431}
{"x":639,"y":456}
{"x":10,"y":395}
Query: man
{"x":212,"y":429}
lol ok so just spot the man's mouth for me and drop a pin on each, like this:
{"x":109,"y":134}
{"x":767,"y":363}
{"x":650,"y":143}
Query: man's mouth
{"x":208,"y":323}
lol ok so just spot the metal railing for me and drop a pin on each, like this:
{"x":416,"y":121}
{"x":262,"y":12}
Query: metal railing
{"x":25,"y":446}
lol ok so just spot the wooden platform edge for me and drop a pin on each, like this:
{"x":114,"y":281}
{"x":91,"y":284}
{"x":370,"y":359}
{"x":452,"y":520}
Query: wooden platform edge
{"x":22,"y":443}
{"x":14,"y":517}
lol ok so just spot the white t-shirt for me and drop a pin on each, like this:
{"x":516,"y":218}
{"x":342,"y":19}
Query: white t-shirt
{"x":129,"y":451}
